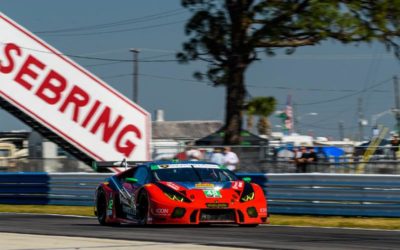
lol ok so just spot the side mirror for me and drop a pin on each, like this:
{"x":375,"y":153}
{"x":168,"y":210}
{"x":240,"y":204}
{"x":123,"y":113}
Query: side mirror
{"x":131,"y":180}
{"x":246,"y":179}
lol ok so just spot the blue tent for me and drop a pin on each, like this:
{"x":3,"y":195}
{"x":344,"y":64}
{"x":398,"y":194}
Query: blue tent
{"x":332,"y":151}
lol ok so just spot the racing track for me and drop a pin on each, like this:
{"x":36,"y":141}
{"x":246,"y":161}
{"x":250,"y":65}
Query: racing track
{"x":265,"y":237}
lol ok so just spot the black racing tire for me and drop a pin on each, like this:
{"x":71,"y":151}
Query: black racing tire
{"x":101,"y":207}
{"x":143,"y":208}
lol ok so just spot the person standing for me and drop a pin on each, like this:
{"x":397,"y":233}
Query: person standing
{"x":312,"y":159}
{"x":193,"y":154}
{"x":394,"y":146}
{"x":301,"y":160}
{"x":231,"y":160}
{"x":217,"y":156}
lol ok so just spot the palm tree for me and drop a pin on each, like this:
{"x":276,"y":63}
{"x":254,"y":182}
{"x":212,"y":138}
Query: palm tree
{"x":263,"y":107}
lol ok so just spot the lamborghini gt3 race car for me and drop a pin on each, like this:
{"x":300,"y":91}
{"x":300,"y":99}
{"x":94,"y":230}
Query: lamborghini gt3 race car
{"x":179,"y":193}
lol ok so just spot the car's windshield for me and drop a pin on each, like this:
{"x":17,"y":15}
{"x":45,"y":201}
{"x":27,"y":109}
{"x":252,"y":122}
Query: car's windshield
{"x":194,"y":175}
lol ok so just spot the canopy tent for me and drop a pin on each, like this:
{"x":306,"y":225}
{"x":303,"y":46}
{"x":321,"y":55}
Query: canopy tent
{"x":322,"y":152}
{"x":360,"y":149}
{"x":332,"y":151}
{"x":217,"y":139}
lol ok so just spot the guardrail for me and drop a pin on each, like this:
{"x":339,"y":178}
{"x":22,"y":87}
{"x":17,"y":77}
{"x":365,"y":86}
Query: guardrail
{"x":331,"y":194}
{"x":49,"y":188}
{"x":317,"y":194}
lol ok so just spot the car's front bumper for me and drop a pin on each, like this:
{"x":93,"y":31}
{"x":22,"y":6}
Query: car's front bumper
{"x":192,"y":213}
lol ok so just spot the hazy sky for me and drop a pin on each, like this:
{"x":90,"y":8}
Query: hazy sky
{"x":326,"y":79}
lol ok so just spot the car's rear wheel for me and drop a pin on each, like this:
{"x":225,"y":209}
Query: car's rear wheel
{"x":101,"y":207}
{"x":143,"y":208}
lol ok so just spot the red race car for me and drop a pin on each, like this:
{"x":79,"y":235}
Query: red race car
{"x":176,"y":192}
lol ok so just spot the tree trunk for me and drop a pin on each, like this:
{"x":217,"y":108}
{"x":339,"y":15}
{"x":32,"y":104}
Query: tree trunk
{"x":235,"y":94}
{"x":237,"y":63}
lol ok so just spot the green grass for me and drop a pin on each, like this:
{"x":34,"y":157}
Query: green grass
{"x":48,"y":209}
{"x":292,"y":220}
{"x":336,"y":221}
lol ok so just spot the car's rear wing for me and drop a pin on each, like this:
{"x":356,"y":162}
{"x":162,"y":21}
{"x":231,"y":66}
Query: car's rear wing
{"x":114,"y":166}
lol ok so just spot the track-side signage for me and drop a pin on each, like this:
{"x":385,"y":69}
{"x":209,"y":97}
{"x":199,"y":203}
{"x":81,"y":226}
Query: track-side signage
{"x":68,"y":100}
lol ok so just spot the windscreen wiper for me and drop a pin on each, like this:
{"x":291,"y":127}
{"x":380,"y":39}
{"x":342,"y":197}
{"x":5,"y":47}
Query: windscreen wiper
{"x":197,"y":173}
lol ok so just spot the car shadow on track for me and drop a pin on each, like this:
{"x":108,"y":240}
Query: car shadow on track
{"x":161,"y":226}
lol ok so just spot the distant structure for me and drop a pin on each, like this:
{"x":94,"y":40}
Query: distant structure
{"x":171,"y":137}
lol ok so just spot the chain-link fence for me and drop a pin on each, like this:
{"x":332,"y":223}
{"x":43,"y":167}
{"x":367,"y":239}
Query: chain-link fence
{"x":43,"y":165}
{"x":255,"y":159}
{"x":267,"y":159}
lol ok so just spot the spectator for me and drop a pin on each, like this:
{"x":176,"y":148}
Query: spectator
{"x":194,"y":154}
{"x":217,"y":156}
{"x":231,"y":159}
{"x":182,"y":156}
{"x":301,"y":160}
{"x":312,"y":158}
{"x":394,"y":146}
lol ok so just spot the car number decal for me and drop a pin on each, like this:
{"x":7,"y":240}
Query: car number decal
{"x":212,"y":193}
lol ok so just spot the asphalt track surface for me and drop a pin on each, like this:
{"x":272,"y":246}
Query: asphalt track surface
{"x":262,"y":237}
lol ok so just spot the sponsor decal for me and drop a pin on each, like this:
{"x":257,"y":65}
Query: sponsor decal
{"x":204,"y":185}
{"x":212,"y":193}
{"x":154,"y":167}
{"x":110,"y":204}
{"x":263,"y":210}
{"x":128,"y":200}
{"x":161,"y":211}
{"x":187,"y":166}
{"x":172,"y":185}
{"x":217,"y":205}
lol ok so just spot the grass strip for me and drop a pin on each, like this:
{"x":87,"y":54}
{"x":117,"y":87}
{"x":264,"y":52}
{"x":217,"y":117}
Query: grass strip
{"x":336,"y":221}
{"x":48,"y":209}
{"x":284,"y":220}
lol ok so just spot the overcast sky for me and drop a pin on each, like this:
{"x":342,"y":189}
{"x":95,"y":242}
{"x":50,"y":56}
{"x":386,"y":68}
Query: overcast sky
{"x":326,"y":79}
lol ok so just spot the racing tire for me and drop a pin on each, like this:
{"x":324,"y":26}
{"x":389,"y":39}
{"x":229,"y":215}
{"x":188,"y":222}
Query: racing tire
{"x":101,"y":207}
{"x":143,"y":208}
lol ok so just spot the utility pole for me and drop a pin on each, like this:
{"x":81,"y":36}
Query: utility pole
{"x":296,"y":127}
{"x":341,"y":130}
{"x":397,"y":103}
{"x":360,"y":120}
{"x":135,"y":94}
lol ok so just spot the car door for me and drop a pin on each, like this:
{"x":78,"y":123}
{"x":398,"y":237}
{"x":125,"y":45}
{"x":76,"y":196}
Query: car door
{"x":132,"y":186}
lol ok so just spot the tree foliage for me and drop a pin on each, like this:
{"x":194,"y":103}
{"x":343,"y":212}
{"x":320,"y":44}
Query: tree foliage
{"x":262,"y":107}
{"x":229,"y":35}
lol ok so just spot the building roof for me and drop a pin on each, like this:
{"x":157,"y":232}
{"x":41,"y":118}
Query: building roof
{"x":184,"y":129}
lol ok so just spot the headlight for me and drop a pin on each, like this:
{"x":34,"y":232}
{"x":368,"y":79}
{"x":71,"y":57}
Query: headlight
{"x":248,"y":193}
{"x":172,"y":194}
{"x":175,"y":197}
{"x":247,"y":197}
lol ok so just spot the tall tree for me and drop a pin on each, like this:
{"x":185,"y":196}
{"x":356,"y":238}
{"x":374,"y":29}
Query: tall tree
{"x":227,"y":34}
